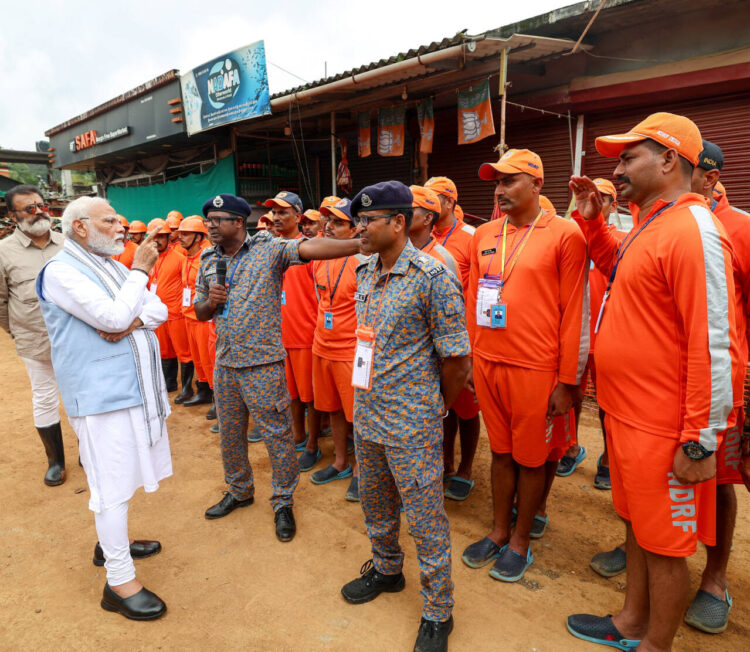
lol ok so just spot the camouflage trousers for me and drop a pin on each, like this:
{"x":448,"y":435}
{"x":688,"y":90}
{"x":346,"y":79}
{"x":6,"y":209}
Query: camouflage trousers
{"x":259,"y":392}
{"x":388,"y":477}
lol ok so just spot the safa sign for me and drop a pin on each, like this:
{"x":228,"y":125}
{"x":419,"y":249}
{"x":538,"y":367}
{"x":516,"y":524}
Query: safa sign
{"x":228,"y":89}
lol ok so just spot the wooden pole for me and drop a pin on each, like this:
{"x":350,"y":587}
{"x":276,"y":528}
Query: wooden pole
{"x":333,"y":152}
{"x":503,"y":96}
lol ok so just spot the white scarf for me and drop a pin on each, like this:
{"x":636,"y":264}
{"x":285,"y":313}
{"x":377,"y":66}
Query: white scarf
{"x":143,"y":341}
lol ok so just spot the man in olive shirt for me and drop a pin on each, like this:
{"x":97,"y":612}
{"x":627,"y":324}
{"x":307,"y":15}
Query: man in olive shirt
{"x":22,"y":255}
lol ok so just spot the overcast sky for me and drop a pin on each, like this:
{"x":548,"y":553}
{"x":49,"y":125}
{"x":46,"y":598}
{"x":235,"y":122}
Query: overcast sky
{"x":61,"y":58}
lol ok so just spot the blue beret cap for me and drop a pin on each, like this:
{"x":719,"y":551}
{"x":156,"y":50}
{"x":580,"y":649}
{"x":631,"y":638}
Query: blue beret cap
{"x":383,"y":195}
{"x":227,"y":203}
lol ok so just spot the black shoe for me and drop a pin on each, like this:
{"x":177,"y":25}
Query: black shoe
{"x":227,"y":505}
{"x":186,"y":377}
{"x":138,"y":550}
{"x":204,"y":396}
{"x":286,"y":528}
{"x":144,"y":605}
{"x":169,"y":369}
{"x":51,"y":437}
{"x":211,"y":414}
{"x":371,"y":584}
{"x":433,"y":636}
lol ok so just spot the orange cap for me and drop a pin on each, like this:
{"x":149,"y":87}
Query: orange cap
{"x":329,"y":201}
{"x":173,"y":221}
{"x":175,"y":214}
{"x":312,"y":215}
{"x":123,"y":221}
{"x":159,"y":225}
{"x":673,"y":131}
{"x":545,"y":203}
{"x":606,"y":187}
{"x":442,"y":186}
{"x":266,"y":218}
{"x":458,"y":213}
{"x":513,"y":162}
{"x":136,"y":226}
{"x":425,"y":197}
{"x":192,"y":224}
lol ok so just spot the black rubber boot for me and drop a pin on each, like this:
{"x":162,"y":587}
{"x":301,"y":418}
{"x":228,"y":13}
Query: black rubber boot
{"x":169,"y":367}
{"x":204,"y":396}
{"x":53,"y":445}
{"x":186,"y":376}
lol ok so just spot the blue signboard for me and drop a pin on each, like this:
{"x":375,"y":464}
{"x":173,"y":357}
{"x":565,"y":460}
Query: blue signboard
{"x":227,"y":89}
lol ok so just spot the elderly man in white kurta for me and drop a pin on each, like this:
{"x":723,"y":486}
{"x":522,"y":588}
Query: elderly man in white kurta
{"x":101,"y":322}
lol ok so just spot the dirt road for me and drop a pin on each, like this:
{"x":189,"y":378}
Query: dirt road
{"x":229,"y":584}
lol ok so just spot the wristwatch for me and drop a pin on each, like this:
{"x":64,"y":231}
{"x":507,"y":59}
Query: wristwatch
{"x":696,"y":451}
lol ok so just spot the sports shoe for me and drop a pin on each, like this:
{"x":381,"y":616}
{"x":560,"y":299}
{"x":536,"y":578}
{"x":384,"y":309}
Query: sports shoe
{"x":433,"y":635}
{"x":371,"y":584}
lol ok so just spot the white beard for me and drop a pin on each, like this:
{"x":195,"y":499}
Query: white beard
{"x":40,"y":227}
{"x":101,"y":245}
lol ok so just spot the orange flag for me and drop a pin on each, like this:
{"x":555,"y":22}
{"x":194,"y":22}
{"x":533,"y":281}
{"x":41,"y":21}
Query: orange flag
{"x":363,"y":139}
{"x":426,"y":119}
{"x":475,"y":113}
{"x":391,"y":131}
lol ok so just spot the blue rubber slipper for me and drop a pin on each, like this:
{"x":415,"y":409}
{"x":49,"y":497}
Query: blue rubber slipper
{"x":481,"y":553}
{"x":298,"y":448}
{"x":510,"y":566}
{"x":602,"y":479}
{"x":255,"y":435}
{"x":599,"y":629}
{"x":325,"y":432}
{"x":459,"y":488}
{"x":568,"y":464}
{"x":308,"y":460}
{"x":709,"y":613}
{"x":539,"y":526}
{"x":329,"y":474}
{"x":349,"y":446}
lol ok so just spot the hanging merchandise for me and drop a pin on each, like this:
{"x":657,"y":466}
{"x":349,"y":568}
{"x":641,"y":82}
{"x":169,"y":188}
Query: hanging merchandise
{"x":391,"y":131}
{"x":343,"y":176}
{"x":426,"y":119}
{"x":363,"y":138}
{"x":475,"y":113}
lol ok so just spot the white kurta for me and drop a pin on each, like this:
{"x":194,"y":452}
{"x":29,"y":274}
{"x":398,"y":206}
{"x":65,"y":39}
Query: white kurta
{"x":114,"y":445}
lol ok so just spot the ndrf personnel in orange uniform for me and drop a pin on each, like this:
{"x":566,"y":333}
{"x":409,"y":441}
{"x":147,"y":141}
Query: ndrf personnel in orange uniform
{"x":709,"y":611}
{"x":528,"y":313}
{"x":137,"y":231}
{"x":666,"y":348}
{"x":164,"y":281}
{"x":452,"y":234}
{"x":425,"y":213}
{"x":126,"y":257}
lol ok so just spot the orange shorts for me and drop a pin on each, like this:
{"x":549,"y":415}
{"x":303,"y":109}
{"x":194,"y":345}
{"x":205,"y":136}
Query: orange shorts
{"x":198,"y":333}
{"x":563,"y":435}
{"x":728,"y":455}
{"x":173,"y":340}
{"x":514,"y":405}
{"x":332,"y":386}
{"x":466,"y":405}
{"x":667,"y":518}
{"x":299,"y":374}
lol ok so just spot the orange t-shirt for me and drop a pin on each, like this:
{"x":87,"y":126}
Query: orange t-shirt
{"x":545,"y":294}
{"x":456,"y":238}
{"x":299,"y":307}
{"x":339,"y":276}
{"x":126,"y":257}
{"x":178,"y":248}
{"x":667,"y":348}
{"x":166,"y":276}
{"x":444,"y":256}
{"x":188,"y":274}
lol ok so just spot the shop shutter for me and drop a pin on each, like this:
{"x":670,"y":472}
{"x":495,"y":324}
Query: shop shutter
{"x":724,"y":120}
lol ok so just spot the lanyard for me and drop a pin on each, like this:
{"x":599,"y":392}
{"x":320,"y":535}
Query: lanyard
{"x":521,"y":243}
{"x":627,"y":242}
{"x":188,"y":266}
{"x":155,"y":276}
{"x":335,"y":287}
{"x":714,"y":203}
{"x":453,"y":228}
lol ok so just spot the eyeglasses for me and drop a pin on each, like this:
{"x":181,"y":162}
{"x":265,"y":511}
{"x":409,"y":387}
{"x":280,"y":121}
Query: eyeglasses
{"x":216,"y":221}
{"x":364,"y":220}
{"x":109,"y":221}
{"x":31,"y":209}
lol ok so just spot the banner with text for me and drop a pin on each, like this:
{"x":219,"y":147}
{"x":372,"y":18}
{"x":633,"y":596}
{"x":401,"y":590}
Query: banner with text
{"x":230,"y":88}
{"x":475,"y":113}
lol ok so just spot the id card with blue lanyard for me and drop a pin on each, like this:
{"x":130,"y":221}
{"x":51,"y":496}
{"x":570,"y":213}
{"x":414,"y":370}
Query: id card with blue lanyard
{"x":230,"y":278}
{"x":328,"y":316}
{"x":618,"y":257}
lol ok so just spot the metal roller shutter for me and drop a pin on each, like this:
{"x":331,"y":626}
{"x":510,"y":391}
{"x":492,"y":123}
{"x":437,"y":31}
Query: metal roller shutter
{"x":724,"y":120}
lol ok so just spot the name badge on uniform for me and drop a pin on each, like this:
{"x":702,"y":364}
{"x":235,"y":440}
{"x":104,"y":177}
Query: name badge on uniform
{"x":152,"y":288}
{"x":488,"y":296}
{"x":186,"y":297}
{"x":320,"y":287}
{"x":498,"y":315}
{"x":360,"y":296}
{"x":283,"y":298}
{"x":363,"y":358}
{"x":328,"y":320}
